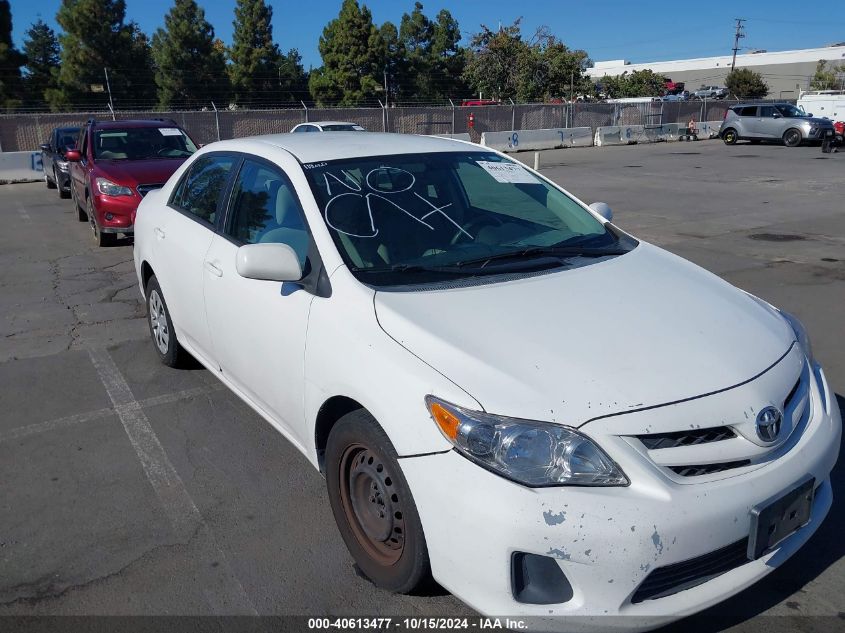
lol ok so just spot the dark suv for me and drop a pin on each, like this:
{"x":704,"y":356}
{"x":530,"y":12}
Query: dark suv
{"x":773,"y":121}
{"x":116,"y":163}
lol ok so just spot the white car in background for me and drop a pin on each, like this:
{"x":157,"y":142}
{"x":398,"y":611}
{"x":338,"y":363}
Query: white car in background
{"x":501,"y":387}
{"x":327,"y":126}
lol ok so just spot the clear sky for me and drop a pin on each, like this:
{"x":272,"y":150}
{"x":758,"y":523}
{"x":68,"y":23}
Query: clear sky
{"x":635,"y":30}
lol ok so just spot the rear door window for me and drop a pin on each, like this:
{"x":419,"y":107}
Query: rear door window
{"x":747,"y":111}
{"x":200,"y":190}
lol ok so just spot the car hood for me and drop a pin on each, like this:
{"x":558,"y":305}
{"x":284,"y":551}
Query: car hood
{"x":139,"y":172}
{"x":643,"y":329}
{"x":820,"y":122}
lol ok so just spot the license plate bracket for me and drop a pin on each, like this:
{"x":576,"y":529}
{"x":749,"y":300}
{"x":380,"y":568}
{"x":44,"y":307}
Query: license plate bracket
{"x":779,"y":517}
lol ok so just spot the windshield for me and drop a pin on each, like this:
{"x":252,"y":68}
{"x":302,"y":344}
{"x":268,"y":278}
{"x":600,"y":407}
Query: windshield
{"x":342,"y":127}
{"x":451,"y":214}
{"x":142,"y":143}
{"x":790,"y":111}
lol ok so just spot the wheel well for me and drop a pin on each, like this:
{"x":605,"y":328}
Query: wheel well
{"x":332,"y":410}
{"x":146,"y":273}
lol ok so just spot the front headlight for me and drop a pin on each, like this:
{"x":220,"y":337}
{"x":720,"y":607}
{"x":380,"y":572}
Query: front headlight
{"x":800,"y":334}
{"x":109,"y":188}
{"x":62,"y":165}
{"x":528,"y":452}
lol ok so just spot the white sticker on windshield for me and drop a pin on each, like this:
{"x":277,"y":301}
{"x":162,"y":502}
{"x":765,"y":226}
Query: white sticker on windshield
{"x":170,"y":131}
{"x":507,"y":172}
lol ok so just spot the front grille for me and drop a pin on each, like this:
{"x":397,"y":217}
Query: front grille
{"x":686,"y":438}
{"x":665,"y":581}
{"x":708,"y":469}
{"x":145,"y":189}
{"x":791,"y":395}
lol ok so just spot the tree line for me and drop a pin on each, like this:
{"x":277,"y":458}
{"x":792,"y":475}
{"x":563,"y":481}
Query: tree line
{"x":101,"y":53}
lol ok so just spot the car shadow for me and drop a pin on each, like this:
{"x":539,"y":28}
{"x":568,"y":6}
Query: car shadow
{"x":824,"y":549}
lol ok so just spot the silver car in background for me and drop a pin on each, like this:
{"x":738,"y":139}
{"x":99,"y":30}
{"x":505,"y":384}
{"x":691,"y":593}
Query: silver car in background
{"x":773,"y":121}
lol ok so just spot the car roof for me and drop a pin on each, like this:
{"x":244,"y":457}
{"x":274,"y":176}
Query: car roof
{"x":133,"y":123}
{"x":309,"y":148}
{"x":330,"y":123}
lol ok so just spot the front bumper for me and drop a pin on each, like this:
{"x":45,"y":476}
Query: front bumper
{"x":122,"y":210}
{"x":607,"y":540}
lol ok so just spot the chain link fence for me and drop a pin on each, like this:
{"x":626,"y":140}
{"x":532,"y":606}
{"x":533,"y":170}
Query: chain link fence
{"x":24,"y":132}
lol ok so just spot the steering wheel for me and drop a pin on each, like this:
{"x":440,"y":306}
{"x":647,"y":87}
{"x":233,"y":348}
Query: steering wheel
{"x":474,"y":226}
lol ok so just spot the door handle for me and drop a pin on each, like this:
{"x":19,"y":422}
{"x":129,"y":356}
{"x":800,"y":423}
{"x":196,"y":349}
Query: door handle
{"x":159,"y":233}
{"x":214,"y":270}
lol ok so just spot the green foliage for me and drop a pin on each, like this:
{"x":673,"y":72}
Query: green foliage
{"x":96,"y":37}
{"x":827,"y":78}
{"x":354,"y":58}
{"x":746,"y":84}
{"x":433,"y":61}
{"x":11,"y":60}
{"x":503,"y":65}
{"x":41,"y":48}
{"x":639,"y":83}
{"x":259,"y":72}
{"x":190,"y":65}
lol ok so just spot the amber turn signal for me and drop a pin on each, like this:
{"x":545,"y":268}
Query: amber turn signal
{"x":446,"y":420}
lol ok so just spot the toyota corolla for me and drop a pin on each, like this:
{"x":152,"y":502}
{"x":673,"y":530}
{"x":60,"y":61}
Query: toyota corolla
{"x":503,"y":389}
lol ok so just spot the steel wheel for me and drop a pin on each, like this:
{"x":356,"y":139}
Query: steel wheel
{"x":372,"y":505}
{"x":158,"y":323}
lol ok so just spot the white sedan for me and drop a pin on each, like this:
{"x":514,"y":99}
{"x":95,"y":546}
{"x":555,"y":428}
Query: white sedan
{"x":327,"y":126}
{"x":502,"y":388}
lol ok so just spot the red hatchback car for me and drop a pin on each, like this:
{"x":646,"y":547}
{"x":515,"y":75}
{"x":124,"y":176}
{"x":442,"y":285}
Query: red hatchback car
{"x":116,"y":163}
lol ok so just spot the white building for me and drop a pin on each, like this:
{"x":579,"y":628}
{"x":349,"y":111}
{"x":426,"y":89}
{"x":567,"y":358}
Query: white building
{"x":786,"y":72}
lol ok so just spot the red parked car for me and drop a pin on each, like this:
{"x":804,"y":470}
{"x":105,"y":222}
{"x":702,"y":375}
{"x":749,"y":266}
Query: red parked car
{"x":116,"y":163}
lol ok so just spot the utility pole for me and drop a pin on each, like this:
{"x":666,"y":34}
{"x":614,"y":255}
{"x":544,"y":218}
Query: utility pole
{"x":108,"y":87}
{"x":737,"y":36}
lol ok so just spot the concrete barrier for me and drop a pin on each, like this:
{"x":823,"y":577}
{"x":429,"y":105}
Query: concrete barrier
{"x":458,"y":137}
{"x":524,"y":140}
{"x":609,"y":135}
{"x":20,"y":167}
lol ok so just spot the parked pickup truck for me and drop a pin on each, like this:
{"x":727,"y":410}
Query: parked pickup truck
{"x":710,"y":92}
{"x":56,"y":173}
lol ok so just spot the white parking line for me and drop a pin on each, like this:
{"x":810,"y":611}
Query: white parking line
{"x":229,"y":595}
{"x":90,"y":416}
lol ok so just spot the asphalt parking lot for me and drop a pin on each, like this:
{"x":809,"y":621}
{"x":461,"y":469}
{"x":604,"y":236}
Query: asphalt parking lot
{"x":127,"y":488}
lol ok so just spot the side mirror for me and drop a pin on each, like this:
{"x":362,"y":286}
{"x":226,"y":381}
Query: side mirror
{"x":777,"y":115}
{"x":809,"y":114}
{"x":73,"y":156}
{"x":603,"y":210}
{"x":270,"y":262}
{"x":45,"y":147}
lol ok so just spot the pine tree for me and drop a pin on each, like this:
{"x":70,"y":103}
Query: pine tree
{"x":96,"y":39}
{"x":255,"y":57}
{"x":353,"y":58}
{"x":435,"y":59}
{"x":10,"y":61}
{"x":190,"y":66}
{"x":41,"y":48}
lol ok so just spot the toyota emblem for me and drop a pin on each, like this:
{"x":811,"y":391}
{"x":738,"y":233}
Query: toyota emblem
{"x":768,"y":424}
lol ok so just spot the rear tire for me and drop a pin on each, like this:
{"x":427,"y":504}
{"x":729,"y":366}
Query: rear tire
{"x":373,"y":506}
{"x":792,"y":138}
{"x":165,"y":343}
{"x":730,"y":136}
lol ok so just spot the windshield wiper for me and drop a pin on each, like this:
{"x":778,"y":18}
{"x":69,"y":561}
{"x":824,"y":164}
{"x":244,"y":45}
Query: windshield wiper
{"x":550,"y":251}
{"x":408,"y":268}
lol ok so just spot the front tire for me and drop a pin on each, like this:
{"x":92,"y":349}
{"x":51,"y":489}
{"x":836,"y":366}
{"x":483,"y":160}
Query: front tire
{"x":51,"y":184}
{"x":373,"y":506}
{"x":80,"y":212}
{"x":164,"y":338}
{"x":792,"y":138}
{"x":62,"y":193}
{"x":102,"y":239}
{"x":730,"y":137}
